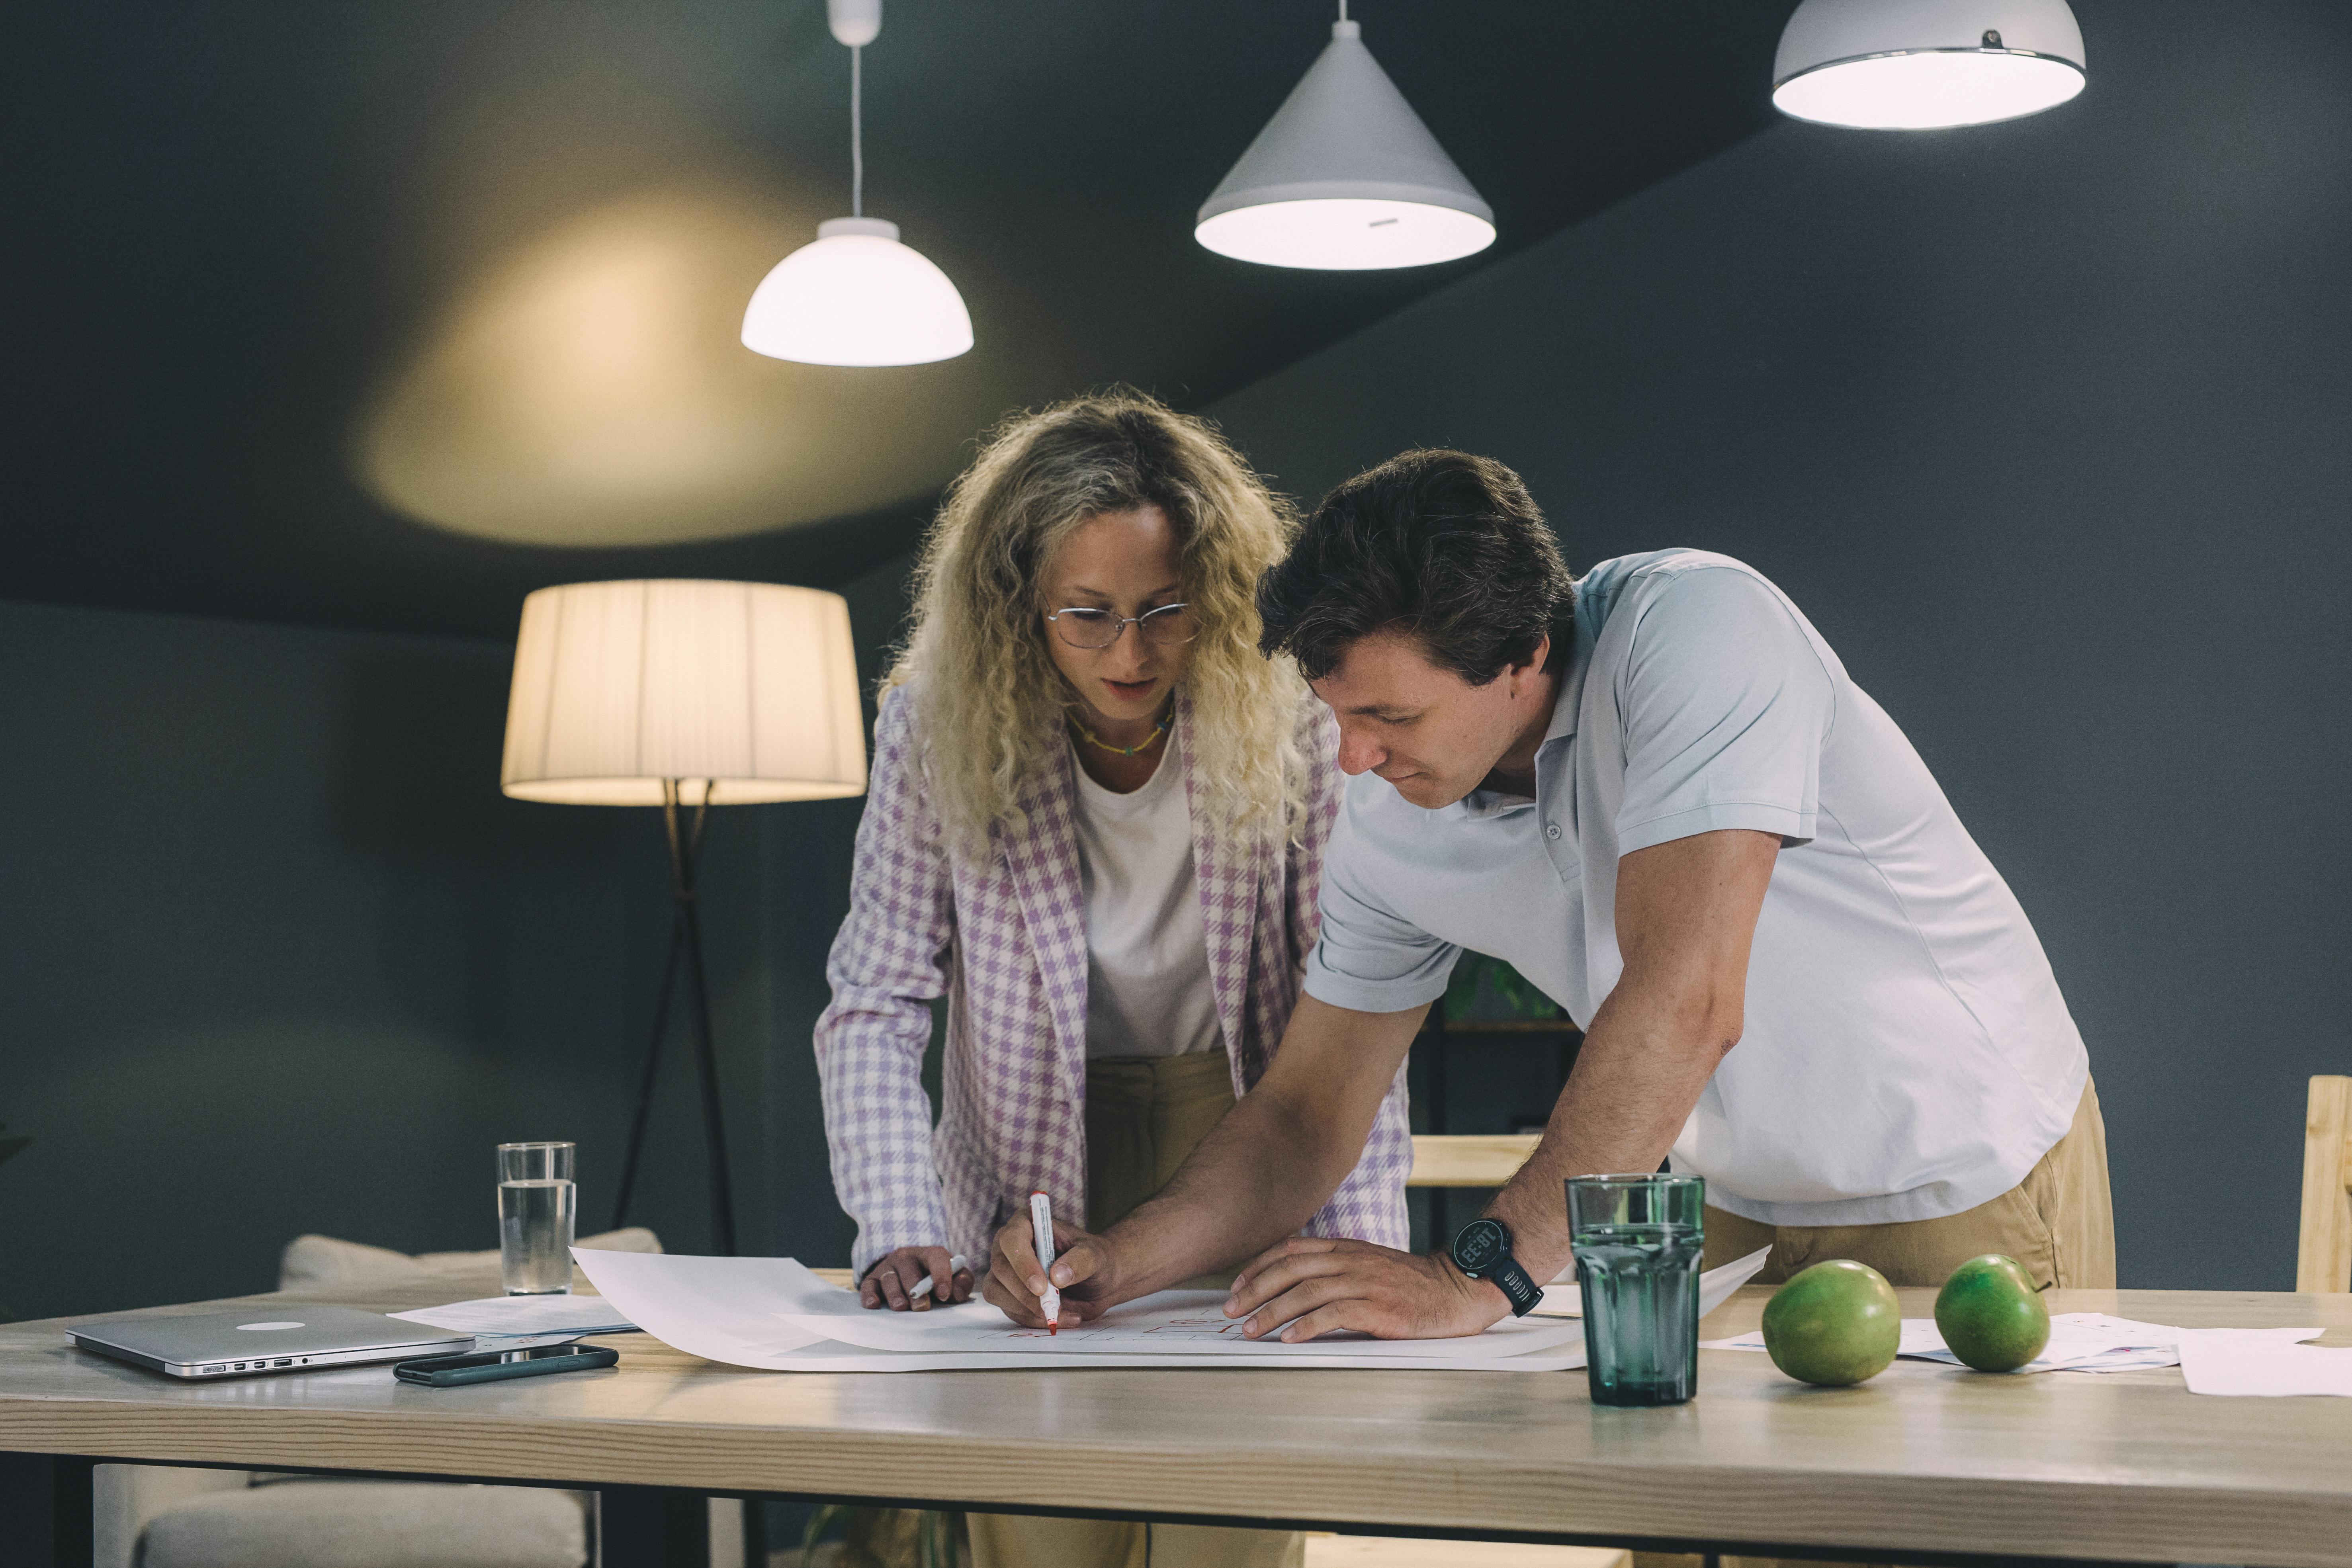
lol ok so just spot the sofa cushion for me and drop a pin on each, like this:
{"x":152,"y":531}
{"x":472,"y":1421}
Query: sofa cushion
{"x":328,"y":1260}
{"x":368,"y":1524}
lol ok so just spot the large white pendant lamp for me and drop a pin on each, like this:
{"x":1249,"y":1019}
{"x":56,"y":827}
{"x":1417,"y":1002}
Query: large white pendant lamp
{"x":1918,"y":64}
{"x":1345,"y":178}
{"x":856,"y":296}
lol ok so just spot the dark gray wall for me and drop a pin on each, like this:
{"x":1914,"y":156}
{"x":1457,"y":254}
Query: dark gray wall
{"x":275,"y":956}
{"x":2048,"y":426}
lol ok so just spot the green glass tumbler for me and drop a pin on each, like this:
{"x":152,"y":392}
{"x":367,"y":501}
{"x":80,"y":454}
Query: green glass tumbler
{"x":1637,"y":1241}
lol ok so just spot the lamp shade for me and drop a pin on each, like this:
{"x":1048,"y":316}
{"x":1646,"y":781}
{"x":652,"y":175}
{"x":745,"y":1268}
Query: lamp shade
{"x":1345,"y":178}
{"x":1916,"y":64}
{"x":856,"y":296}
{"x":747,"y":688}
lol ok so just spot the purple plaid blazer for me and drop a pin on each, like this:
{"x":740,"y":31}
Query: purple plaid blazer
{"x":1005,"y":942}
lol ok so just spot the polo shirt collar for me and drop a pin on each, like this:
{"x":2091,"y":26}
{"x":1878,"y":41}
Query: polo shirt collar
{"x":1479,"y":804}
{"x":1571,"y":679}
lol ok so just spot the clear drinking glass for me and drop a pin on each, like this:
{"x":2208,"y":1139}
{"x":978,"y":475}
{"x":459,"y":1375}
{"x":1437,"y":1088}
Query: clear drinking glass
{"x":1637,"y":1241}
{"x":537,"y":1206}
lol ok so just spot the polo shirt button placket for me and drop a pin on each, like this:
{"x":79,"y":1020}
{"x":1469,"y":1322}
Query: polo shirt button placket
{"x":1552,"y":830}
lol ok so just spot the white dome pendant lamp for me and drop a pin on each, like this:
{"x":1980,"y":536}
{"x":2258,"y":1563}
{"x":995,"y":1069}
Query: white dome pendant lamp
{"x":1345,"y":178}
{"x":856,"y":296}
{"x":1921,"y":65}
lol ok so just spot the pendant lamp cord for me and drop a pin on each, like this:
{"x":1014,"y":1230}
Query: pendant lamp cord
{"x":858,"y":129}
{"x":1343,"y":10}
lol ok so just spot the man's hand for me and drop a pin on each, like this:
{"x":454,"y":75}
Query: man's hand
{"x":893,"y":1279}
{"x":1082,"y":1272}
{"x":1306,"y":1286}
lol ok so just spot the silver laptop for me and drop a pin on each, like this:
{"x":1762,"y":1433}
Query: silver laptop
{"x":285,"y":1338}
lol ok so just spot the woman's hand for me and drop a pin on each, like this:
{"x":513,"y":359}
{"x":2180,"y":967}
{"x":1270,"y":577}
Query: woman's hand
{"x":1082,"y":1273}
{"x":893,"y":1280}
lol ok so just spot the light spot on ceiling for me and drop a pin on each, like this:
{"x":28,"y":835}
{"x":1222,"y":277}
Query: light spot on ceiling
{"x":588,"y":388}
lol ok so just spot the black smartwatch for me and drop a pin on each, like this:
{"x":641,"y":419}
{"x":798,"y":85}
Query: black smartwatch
{"x":1482,"y":1249}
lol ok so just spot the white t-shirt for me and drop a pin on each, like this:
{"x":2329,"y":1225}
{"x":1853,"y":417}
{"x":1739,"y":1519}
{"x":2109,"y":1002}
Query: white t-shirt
{"x":1906,"y":1054}
{"x":1147,"y":987}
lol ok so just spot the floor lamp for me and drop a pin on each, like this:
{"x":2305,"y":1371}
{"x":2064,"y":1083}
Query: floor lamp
{"x":685,"y":695}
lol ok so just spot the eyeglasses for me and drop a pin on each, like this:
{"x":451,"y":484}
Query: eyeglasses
{"x":1166,"y":626}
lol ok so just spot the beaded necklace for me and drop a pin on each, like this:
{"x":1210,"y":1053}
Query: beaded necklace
{"x":1145,"y":744}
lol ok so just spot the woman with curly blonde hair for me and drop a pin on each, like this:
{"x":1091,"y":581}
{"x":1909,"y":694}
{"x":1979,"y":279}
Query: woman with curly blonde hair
{"x":1096,"y":825}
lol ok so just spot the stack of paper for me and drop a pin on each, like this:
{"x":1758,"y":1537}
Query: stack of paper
{"x":773,"y":1314}
{"x":2079,"y":1342}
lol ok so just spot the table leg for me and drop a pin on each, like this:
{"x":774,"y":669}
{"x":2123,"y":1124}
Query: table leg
{"x":45,"y":1502}
{"x":755,"y":1533}
{"x":650,"y":1527}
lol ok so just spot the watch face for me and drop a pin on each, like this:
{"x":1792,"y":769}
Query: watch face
{"x":1480,"y":1245}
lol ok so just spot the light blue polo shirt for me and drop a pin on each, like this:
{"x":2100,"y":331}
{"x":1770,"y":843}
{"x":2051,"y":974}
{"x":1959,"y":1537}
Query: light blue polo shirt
{"x":1906,"y":1054}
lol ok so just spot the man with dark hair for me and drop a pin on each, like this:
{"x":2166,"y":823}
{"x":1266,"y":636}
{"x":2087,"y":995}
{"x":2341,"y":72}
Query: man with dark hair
{"x":1448,"y":544}
{"x":1655,"y":792}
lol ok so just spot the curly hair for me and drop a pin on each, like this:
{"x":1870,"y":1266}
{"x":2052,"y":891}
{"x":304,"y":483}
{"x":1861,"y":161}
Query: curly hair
{"x":990,"y":702}
{"x":1445,"y":546}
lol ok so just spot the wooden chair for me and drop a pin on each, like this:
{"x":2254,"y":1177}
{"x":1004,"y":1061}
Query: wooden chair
{"x":2323,"y":1259}
{"x":1443,"y":1162}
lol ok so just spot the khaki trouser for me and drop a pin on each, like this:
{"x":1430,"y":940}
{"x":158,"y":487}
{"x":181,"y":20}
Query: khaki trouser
{"x":2058,"y":1223}
{"x":1144,"y":1116}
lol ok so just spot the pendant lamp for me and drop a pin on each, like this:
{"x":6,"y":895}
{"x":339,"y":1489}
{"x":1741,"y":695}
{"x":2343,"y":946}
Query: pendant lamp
{"x":1918,"y":65}
{"x":1345,"y":178}
{"x":856,"y":296}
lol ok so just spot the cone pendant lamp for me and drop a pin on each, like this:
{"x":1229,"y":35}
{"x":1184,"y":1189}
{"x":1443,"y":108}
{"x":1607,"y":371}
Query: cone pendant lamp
{"x":1345,"y":178}
{"x":1922,"y":65}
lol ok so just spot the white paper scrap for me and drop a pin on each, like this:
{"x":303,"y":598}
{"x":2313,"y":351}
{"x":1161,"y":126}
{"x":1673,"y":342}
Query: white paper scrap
{"x":772,"y":1313}
{"x":2262,"y":1362}
{"x":524,"y":1315}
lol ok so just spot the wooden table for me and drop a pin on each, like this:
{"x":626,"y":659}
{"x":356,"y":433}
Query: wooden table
{"x":1923,"y":1464}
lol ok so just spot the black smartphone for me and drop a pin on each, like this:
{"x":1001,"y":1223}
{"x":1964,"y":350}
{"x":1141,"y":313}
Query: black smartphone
{"x":454,"y":1370}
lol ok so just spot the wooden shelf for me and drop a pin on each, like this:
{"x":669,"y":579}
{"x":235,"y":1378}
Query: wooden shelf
{"x":1469,"y":1160}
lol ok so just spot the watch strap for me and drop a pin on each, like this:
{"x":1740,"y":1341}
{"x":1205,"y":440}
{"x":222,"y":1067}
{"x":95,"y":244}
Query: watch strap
{"x":1517,"y":1286}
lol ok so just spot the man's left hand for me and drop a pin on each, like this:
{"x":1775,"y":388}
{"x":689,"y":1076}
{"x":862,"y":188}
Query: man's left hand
{"x":1306,"y":1286}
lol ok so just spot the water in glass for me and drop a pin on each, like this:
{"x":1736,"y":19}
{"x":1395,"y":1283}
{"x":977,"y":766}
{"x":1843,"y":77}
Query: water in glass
{"x":1640,"y":1284}
{"x":535,"y":1224}
{"x":1638,"y":1238}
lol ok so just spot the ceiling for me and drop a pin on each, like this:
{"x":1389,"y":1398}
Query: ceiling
{"x":381,"y":316}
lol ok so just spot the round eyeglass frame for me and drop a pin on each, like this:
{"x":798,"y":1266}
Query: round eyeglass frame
{"x":1119,"y":625}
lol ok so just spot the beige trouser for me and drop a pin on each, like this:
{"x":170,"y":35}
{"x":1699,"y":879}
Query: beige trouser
{"x":2058,"y":1223}
{"x":1144,"y":1115}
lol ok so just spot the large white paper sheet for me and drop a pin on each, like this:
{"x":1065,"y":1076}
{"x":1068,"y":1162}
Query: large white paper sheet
{"x":772,"y":1314}
{"x":498,"y":1315}
{"x":1171,"y":1323}
{"x":2262,"y":1362}
{"x":2079,"y":1342}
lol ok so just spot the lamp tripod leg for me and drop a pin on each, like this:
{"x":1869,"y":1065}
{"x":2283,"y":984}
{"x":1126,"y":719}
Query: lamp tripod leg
{"x":652,"y":1064}
{"x":722,"y":1195}
{"x":685,"y":854}
{"x":686,"y":953}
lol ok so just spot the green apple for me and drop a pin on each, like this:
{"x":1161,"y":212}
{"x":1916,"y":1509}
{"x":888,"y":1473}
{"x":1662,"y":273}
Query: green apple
{"x":1835,"y":1323}
{"x":1990,"y":1315}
